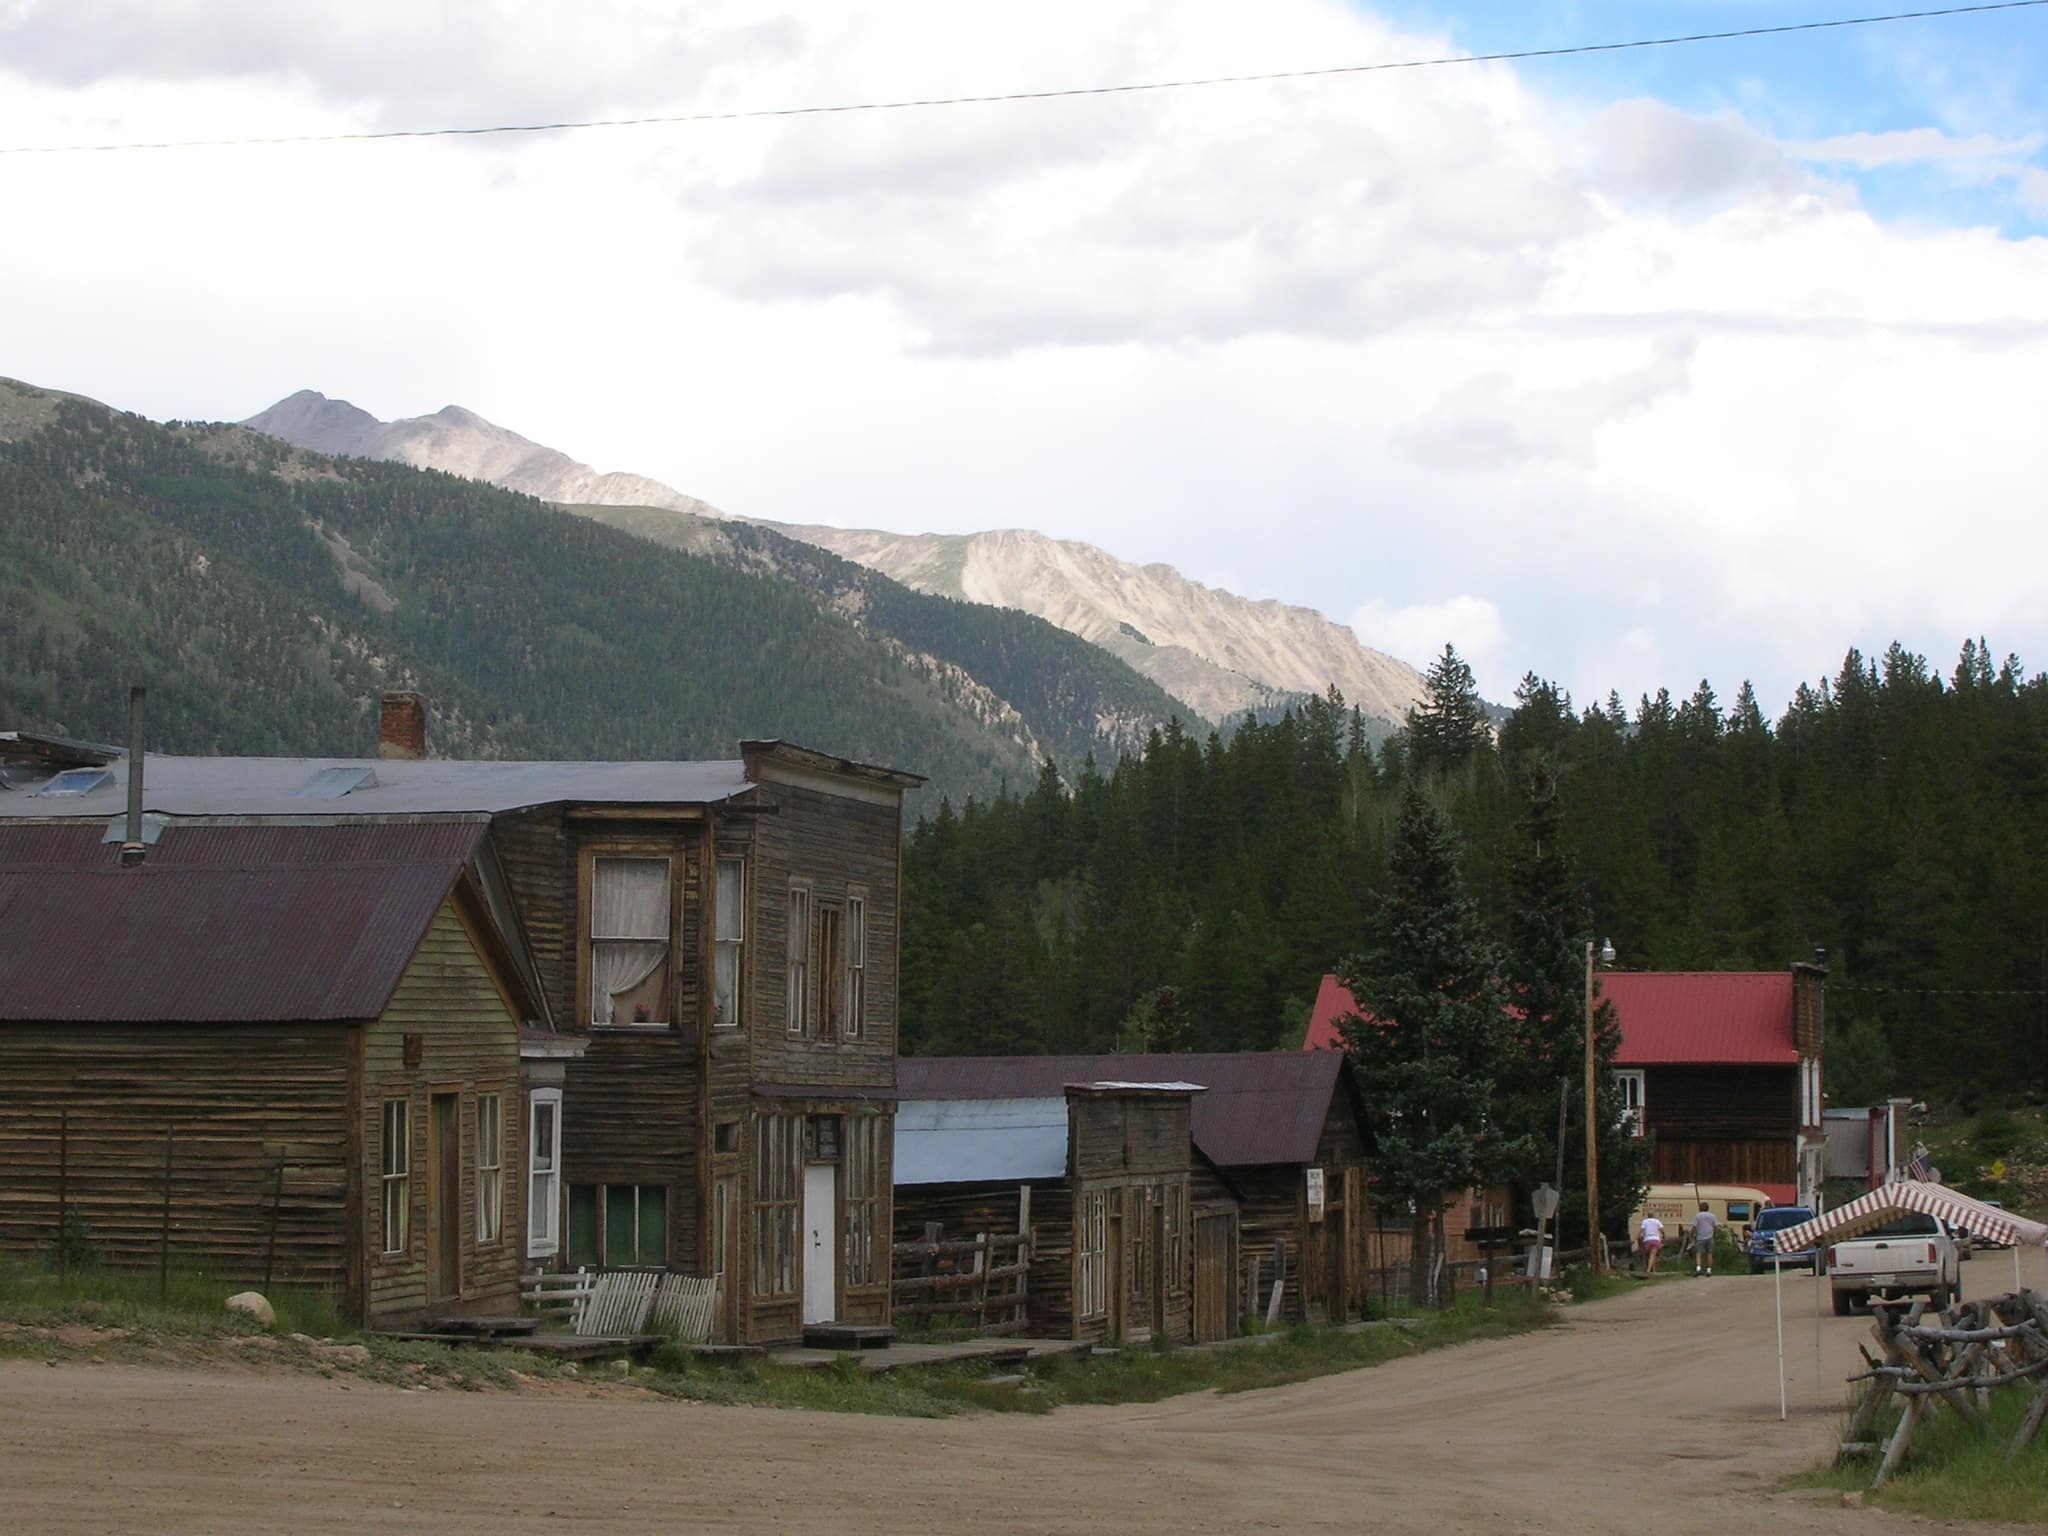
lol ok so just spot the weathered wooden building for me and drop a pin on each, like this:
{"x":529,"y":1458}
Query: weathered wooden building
{"x":711,"y":953}
{"x":1277,"y":1166}
{"x":1722,"y":1070}
{"x":261,"y":1050}
{"x":1101,"y":1180}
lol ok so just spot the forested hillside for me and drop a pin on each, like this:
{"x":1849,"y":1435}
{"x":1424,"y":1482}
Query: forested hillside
{"x":1894,"y":816}
{"x":266,"y":594}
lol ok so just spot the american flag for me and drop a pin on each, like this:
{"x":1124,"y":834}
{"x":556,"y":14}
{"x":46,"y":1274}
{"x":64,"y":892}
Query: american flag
{"x":1922,"y":1167}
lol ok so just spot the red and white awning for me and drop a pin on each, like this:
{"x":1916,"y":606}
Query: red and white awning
{"x":1910,"y":1196}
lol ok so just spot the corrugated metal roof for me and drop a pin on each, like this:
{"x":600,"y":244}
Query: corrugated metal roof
{"x":270,"y":786}
{"x":219,"y":924}
{"x":964,"y":1141}
{"x":1258,"y":1107}
{"x":1668,"y":1018}
{"x":1702,"y":1018}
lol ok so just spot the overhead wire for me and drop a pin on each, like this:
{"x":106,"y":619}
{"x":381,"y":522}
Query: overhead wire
{"x":677,"y":119}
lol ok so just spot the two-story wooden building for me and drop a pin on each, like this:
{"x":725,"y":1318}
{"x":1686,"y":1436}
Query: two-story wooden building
{"x":707,"y":959}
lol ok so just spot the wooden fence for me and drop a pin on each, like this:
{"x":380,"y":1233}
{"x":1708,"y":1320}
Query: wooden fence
{"x":984,"y":1282}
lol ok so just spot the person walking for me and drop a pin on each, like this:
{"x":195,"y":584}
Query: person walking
{"x":1704,"y":1226}
{"x":1653,"y":1242}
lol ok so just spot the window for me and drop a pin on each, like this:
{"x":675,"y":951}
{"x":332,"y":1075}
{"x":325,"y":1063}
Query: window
{"x":1094,"y":1278}
{"x":830,"y":961}
{"x":723,"y":1194}
{"x":1176,"y":1230}
{"x":867,"y":1246}
{"x":543,"y":1172}
{"x":856,"y":965}
{"x":799,"y":1001}
{"x":629,"y":941}
{"x":618,"y":1226}
{"x":725,"y":1138}
{"x":1632,"y":1101}
{"x":397,"y":1166}
{"x":778,"y":1158}
{"x":490,"y":1170}
{"x":730,"y":943}
{"x":1809,"y":1091}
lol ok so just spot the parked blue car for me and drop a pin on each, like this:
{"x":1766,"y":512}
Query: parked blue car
{"x":1769,"y":1223}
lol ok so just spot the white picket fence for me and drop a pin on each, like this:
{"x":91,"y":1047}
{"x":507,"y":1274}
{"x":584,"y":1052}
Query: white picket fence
{"x":618,"y":1303}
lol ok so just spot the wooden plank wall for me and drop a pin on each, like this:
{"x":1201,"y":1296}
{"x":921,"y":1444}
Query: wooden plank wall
{"x":242,"y":1099}
{"x":470,"y":1045}
{"x":1735,"y":1103}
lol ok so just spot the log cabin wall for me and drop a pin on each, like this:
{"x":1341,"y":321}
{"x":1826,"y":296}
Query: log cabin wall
{"x":242,"y":1100}
{"x":1722,"y":1125}
{"x":449,"y":1036}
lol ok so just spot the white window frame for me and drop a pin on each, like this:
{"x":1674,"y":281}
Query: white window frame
{"x":394,"y":1154}
{"x":1635,"y":1099}
{"x":1093,"y":1281}
{"x":797,"y":939}
{"x":490,"y":1167}
{"x":853,"y":940}
{"x":730,"y":939}
{"x":543,"y":1176}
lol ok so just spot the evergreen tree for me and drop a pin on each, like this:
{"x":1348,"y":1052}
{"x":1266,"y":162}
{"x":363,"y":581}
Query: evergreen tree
{"x":1448,"y":729}
{"x":1429,"y":1044}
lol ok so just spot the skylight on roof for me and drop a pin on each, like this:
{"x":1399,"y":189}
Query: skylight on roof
{"x":333,"y":783}
{"x":76,"y":781}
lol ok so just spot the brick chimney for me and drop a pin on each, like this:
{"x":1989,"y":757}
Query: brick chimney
{"x":402,"y":728}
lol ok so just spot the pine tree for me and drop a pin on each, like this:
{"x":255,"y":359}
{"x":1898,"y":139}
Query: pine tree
{"x":1429,"y":1044}
{"x":1448,"y":729}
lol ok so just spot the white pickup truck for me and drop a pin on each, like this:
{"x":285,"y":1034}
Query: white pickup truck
{"x":1911,"y":1256}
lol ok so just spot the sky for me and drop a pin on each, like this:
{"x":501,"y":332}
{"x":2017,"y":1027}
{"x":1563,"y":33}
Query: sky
{"x":1630,"y":369}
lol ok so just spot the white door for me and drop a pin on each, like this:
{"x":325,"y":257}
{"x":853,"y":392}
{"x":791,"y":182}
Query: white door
{"x":821,"y":1245}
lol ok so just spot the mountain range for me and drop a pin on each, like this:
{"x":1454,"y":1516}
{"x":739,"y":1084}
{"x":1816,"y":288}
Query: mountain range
{"x":1218,"y":653}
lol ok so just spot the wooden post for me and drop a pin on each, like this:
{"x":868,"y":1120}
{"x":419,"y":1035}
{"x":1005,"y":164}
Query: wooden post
{"x":1279,"y":1281}
{"x":1902,"y":1437}
{"x":163,"y":1242}
{"x":63,"y":1194}
{"x":270,"y":1250}
{"x":1599,"y":1259}
{"x":983,"y":1266}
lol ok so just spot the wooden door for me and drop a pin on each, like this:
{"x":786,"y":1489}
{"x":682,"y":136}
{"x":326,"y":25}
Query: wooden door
{"x":1217,"y":1307}
{"x":1119,"y":1303}
{"x":821,"y":1243}
{"x":1158,"y":1268}
{"x":444,"y":1197}
{"x":725,"y":1242}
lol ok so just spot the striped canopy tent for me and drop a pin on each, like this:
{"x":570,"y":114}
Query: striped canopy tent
{"x":1910,"y":1197}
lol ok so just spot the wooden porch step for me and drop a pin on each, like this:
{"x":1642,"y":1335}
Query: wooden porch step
{"x":849,"y":1335}
{"x":493,"y":1327}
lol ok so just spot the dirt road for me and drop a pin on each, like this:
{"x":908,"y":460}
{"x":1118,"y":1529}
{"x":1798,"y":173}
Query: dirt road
{"x":1656,"y":1410}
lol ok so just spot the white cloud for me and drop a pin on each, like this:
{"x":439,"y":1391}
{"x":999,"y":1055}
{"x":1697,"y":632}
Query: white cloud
{"x":1591,"y":372}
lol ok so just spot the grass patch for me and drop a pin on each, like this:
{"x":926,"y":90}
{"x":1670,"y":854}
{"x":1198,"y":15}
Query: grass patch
{"x":188,"y":1302}
{"x":1955,"y":1472}
{"x":1130,"y":1375}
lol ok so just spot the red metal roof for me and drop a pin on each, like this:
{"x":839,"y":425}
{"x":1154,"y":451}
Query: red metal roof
{"x":1702,"y":1018}
{"x":219,"y":923}
{"x":1259,"y":1107}
{"x":1668,"y":1018}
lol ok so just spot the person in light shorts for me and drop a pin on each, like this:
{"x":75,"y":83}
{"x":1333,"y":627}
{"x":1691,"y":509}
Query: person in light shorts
{"x":1703,"y":1229}
{"x":1653,"y":1241}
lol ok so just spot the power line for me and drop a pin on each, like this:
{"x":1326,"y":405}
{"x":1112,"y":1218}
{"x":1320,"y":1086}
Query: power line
{"x":1063,"y":93}
{"x":1943,"y":991}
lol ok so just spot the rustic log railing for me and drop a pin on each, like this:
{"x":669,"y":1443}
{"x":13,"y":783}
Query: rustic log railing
{"x":984,"y":1280}
{"x":1955,"y":1362}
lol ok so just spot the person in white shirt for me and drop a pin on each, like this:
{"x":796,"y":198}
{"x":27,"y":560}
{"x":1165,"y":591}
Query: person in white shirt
{"x":1703,"y":1228}
{"x":1653,"y":1241}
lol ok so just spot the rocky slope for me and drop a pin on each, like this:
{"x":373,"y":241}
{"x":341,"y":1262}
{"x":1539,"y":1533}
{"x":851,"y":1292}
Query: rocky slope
{"x":1219,"y":653}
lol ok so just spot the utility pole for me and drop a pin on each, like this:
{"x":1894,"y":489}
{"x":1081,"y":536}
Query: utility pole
{"x":1593,"y":1115}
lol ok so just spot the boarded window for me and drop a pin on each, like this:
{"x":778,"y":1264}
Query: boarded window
{"x":1176,"y":1241}
{"x":778,"y":1167}
{"x":730,"y":947}
{"x":397,"y":1171}
{"x":867,"y":1243}
{"x":1094,"y":1253}
{"x":629,"y":941}
{"x":856,"y":966}
{"x":799,"y":999}
{"x":490,"y":1167}
{"x":619,"y":1226}
{"x":544,"y":1172}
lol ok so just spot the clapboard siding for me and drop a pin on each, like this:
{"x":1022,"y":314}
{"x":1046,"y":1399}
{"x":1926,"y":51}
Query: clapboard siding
{"x":469,"y":1045}
{"x":241,"y":1101}
{"x":1736,"y":1103}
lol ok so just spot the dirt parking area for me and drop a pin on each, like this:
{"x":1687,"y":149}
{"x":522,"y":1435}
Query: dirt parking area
{"x":1655,"y":1411}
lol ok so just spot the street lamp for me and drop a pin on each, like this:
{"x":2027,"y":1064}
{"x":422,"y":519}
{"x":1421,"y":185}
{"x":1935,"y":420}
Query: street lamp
{"x":1593,"y":1114}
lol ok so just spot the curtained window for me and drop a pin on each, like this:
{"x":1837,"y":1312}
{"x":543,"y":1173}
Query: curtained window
{"x":799,"y":943}
{"x":490,"y":1167}
{"x":629,"y":941}
{"x":856,"y":966}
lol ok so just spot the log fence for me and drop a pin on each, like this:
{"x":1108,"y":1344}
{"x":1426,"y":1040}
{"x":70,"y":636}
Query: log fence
{"x":983,"y":1281}
{"x":1954,"y":1361}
